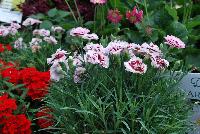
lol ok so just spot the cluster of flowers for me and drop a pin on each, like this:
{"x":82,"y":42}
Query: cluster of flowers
{"x":134,"y":16}
{"x":36,"y":82}
{"x":12,"y":29}
{"x":6,"y":47}
{"x":97,"y":54}
{"x":83,"y":33}
{"x":10,"y":123}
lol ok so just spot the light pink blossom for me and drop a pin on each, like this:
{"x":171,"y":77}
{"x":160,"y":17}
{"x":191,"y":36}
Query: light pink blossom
{"x":59,"y":56}
{"x":57,"y":29}
{"x":35,"y":41}
{"x":77,"y":59}
{"x":116,"y":47}
{"x":31,"y":21}
{"x":150,"y":49}
{"x":94,"y":47}
{"x":19,"y":44}
{"x":174,"y":41}
{"x":4,"y":31}
{"x":51,"y":40}
{"x":98,"y":1}
{"x":92,"y":36}
{"x":135,"y":65}
{"x":79,"y":31}
{"x":79,"y":71}
{"x":41,"y":32}
{"x":56,"y":72}
{"x":158,"y":62}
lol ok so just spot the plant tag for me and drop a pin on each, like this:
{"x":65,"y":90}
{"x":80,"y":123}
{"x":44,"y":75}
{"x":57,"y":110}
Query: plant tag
{"x":191,"y":85}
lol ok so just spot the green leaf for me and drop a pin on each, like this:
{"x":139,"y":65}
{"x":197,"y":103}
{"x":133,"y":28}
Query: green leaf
{"x":194,"y":22}
{"x":46,"y":24}
{"x":52,"y":12}
{"x":172,"y":12}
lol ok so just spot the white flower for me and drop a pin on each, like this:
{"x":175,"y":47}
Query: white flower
{"x":159,"y":63}
{"x":4,"y":31}
{"x":51,"y":40}
{"x":77,"y":59}
{"x":78,"y":73}
{"x":15,"y":25}
{"x":19,"y":44}
{"x":59,"y":56}
{"x":35,"y":41}
{"x":79,"y":31}
{"x":116,"y":47}
{"x":56,"y":72}
{"x":57,"y":29}
{"x":41,"y":32}
{"x":92,"y":36}
{"x":135,"y":65}
{"x":31,"y":21}
{"x":151,"y":49}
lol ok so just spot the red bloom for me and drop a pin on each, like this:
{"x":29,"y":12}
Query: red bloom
{"x":12,"y":74}
{"x":134,"y":16}
{"x":9,"y":47}
{"x":18,"y":124}
{"x":44,"y":118}
{"x":7,"y":105}
{"x":36,"y":82}
{"x":114,"y":16}
{"x":1,"y":48}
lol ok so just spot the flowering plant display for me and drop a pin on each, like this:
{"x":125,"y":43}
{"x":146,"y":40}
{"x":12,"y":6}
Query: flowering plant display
{"x":97,"y":66}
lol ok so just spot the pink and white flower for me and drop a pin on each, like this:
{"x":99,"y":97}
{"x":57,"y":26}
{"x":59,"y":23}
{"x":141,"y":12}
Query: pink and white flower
{"x":51,"y":40}
{"x":98,"y":1}
{"x":56,"y":72}
{"x":92,"y":36}
{"x":94,"y":47}
{"x":4,"y":31}
{"x":79,"y":31}
{"x":31,"y":21}
{"x":116,"y":47}
{"x":19,"y":44}
{"x":57,"y":29}
{"x":77,"y":59}
{"x":79,"y":71}
{"x":35,"y":41}
{"x":59,"y":56}
{"x":174,"y":41}
{"x":135,"y":65}
{"x":41,"y":32}
{"x":158,"y":62}
{"x":150,"y":49}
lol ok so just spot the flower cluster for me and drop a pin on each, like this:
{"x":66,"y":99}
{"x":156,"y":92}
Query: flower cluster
{"x":5,"y":48}
{"x":174,"y":41}
{"x":83,"y":33}
{"x":12,"y":124}
{"x":36,"y":82}
{"x":135,"y":16}
{"x":12,"y":29}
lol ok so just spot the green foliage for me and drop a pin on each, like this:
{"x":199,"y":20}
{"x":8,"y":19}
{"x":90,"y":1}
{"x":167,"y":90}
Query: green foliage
{"x":115,"y":101}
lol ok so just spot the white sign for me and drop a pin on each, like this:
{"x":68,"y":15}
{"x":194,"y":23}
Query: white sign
{"x":8,"y":16}
{"x":191,"y":85}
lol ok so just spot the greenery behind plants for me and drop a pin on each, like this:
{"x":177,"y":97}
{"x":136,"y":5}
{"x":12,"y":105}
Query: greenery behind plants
{"x":115,"y":101}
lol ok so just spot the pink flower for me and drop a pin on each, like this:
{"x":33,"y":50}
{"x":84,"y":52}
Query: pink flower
{"x":98,"y":1}
{"x":94,"y":47}
{"x":79,"y":31}
{"x":4,"y":31}
{"x":114,"y":16}
{"x":35,"y":41}
{"x":159,"y":63}
{"x":56,"y":72}
{"x":92,"y":36}
{"x":31,"y":21}
{"x":19,"y":44}
{"x":59,"y":56}
{"x":134,"y":16}
{"x":41,"y":32}
{"x":97,"y":58}
{"x":77,"y":59}
{"x":135,"y":65}
{"x":116,"y":47}
{"x":174,"y":42}
{"x":51,"y":40}
{"x":57,"y":29}
{"x":150,"y":49}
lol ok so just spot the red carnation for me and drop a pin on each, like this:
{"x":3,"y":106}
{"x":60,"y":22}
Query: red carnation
{"x":114,"y":16}
{"x":9,"y":47}
{"x":18,"y":124}
{"x":44,"y":118}
{"x":1,"y":48}
{"x":12,"y":74}
{"x":134,"y":16}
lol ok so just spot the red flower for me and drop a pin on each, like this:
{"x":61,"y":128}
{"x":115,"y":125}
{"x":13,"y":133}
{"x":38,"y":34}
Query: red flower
{"x":44,"y":118}
{"x":36,"y":82}
{"x":9,"y":47}
{"x":18,"y":124}
{"x":1,"y":48}
{"x":12,"y":74}
{"x":7,"y":105}
{"x":114,"y":16}
{"x":134,"y":16}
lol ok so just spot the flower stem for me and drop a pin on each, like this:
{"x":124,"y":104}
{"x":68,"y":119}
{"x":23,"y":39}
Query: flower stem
{"x":145,"y":6}
{"x":79,"y":15}
{"x":72,"y":12}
